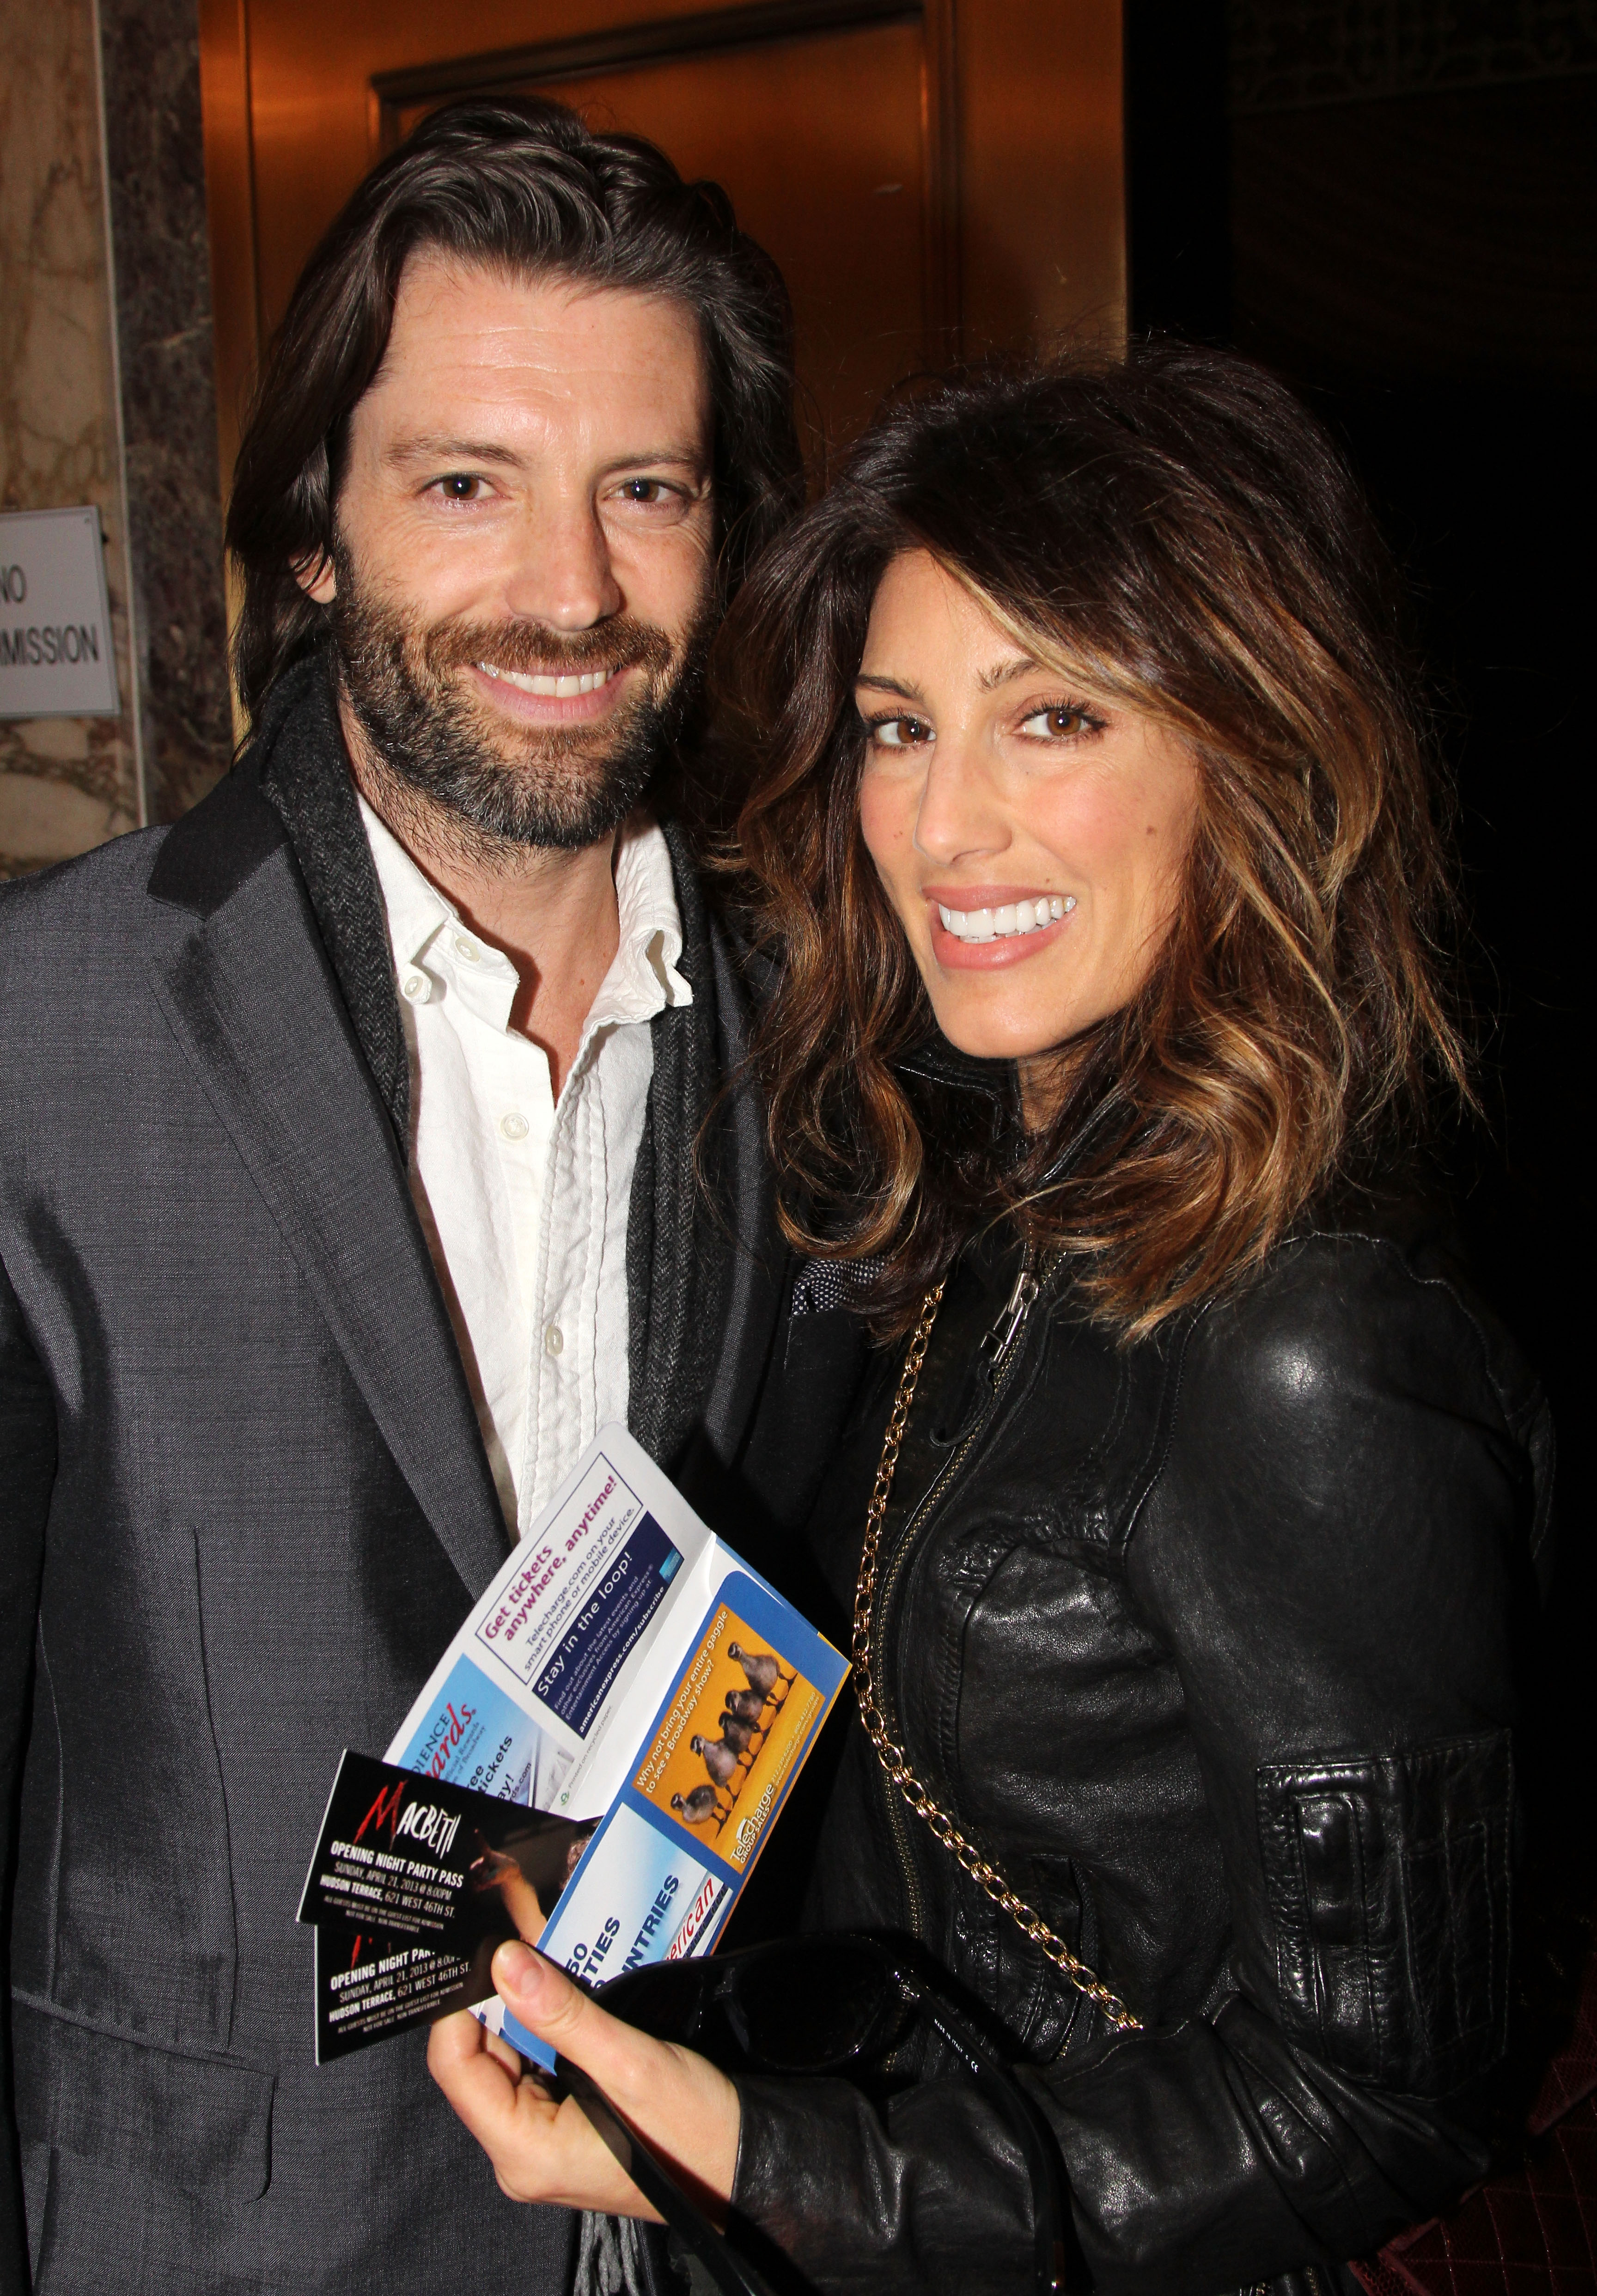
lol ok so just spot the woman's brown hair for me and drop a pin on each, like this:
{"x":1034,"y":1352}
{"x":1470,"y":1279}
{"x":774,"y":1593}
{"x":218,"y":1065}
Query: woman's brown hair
{"x":1178,"y":532}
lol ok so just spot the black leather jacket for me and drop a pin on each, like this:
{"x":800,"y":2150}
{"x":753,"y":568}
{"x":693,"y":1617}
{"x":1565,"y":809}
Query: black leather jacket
{"x":1206,"y":1642}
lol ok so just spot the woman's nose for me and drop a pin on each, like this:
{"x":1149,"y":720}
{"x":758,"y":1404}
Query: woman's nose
{"x":959,"y":812}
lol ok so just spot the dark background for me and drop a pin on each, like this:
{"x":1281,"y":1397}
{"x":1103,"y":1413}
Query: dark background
{"x":1394,"y":206}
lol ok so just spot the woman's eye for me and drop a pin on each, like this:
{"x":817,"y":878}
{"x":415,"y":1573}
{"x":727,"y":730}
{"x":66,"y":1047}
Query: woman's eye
{"x":460,"y":486}
{"x":900,"y":732}
{"x":1061,"y":721}
{"x":648,"y":491}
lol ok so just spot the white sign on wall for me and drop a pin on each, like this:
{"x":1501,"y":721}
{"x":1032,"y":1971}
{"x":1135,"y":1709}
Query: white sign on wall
{"x":55,"y":650}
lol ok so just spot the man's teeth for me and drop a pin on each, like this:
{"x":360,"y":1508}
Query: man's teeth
{"x":538,"y":682}
{"x":1014,"y":918}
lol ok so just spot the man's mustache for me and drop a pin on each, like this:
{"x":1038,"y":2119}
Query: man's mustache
{"x":622,"y":643}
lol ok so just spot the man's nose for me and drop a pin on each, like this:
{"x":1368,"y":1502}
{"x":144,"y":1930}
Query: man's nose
{"x":561,"y":574}
{"x":959,"y":815}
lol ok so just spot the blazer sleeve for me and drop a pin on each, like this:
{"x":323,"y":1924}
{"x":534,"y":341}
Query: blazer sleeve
{"x":1328,"y":1548}
{"x":28,"y":1455}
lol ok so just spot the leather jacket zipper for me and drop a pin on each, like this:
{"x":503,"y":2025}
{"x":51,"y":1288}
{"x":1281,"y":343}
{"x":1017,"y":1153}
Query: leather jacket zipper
{"x":997,"y":1354}
{"x":994,"y":1343}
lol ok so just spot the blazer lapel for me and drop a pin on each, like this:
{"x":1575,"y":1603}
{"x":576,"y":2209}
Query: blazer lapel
{"x":250,"y":998}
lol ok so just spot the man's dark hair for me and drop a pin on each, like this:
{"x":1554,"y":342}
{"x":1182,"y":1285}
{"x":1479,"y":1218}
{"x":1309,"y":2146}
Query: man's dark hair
{"x":521,"y":187}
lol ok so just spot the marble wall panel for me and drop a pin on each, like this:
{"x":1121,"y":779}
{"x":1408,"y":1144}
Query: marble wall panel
{"x":65,"y":783}
{"x":155,"y":160}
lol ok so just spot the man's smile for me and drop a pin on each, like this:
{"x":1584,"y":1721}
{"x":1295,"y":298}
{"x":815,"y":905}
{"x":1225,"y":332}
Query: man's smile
{"x":559,"y":683}
{"x":551,"y":697}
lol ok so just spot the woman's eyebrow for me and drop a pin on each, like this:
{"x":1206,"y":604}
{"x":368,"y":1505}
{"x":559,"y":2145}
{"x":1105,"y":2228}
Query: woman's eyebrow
{"x":890,"y":685}
{"x":1004,"y":673}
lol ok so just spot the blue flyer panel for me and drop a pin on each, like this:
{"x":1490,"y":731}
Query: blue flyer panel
{"x":472,"y":1736}
{"x":571,"y":1611}
{"x":641,"y":1894}
{"x":577,"y":1678}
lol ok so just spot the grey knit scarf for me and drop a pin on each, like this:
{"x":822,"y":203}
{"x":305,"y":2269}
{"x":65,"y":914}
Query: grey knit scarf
{"x":677,"y":1249}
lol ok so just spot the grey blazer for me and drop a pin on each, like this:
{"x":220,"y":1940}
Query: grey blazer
{"x":243,"y":1502}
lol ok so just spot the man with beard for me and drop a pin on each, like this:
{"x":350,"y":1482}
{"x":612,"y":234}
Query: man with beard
{"x":366,"y":1140}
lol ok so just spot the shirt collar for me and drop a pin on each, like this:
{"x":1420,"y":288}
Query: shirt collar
{"x":642,"y":978}
{"x":415,"y":908}
{"x":425,"y":930}
{"x":429,"y":937}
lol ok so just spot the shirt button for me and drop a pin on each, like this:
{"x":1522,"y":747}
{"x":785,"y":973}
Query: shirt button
{"x":514,"y":1126}
{"x":554,"y":1339}
{"x":467,"y":948}
{"x":417,"y":987}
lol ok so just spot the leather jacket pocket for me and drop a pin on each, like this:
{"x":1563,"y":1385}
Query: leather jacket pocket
{"x":201,"y":2123}
{"x":1387,"y":1879}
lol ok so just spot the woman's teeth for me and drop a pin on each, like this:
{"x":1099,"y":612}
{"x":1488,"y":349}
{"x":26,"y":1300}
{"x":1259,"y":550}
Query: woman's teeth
{"x":1013,"y":917}
{"x":562,"y":688}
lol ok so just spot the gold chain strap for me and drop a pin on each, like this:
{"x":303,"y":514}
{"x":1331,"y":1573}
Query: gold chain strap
{"x":892,"y":1757}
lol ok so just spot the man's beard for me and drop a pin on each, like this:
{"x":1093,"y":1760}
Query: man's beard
{"x":560,"y":786}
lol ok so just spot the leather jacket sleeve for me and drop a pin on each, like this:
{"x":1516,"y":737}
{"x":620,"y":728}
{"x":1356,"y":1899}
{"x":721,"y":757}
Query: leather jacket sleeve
{"x":1328,"y":1547}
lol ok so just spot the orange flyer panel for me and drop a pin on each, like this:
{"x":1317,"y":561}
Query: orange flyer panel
{"x":732,"y":1733}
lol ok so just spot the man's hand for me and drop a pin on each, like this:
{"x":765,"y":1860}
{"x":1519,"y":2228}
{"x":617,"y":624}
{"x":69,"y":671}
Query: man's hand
{"x":682,"y":2103}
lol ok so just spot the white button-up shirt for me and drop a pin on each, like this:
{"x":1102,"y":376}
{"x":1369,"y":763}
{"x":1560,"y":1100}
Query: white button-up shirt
{"x":524,"y":1198}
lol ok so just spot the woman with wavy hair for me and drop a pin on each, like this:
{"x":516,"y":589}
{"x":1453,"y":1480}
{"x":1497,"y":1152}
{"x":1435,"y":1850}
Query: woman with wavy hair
{"x":1091,"y":837}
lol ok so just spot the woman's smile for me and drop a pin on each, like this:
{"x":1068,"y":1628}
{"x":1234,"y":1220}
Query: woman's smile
{"x":977,"y":928}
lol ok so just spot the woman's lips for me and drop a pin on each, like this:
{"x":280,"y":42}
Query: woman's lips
{"x":984,"y":928}
{"x":508,"y":691}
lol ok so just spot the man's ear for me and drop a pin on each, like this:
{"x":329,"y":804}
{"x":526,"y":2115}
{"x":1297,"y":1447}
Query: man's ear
{"x":317,"y":578}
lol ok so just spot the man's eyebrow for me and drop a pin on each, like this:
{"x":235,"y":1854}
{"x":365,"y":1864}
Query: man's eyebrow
{"x":688,"y":458}
{"x":437,"y":449}
{"x":890,"y":685}
{"x":433,"y":447}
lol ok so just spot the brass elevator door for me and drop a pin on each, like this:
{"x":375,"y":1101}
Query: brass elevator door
{"x":933,"y":176}
{"x":851,"y":243}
